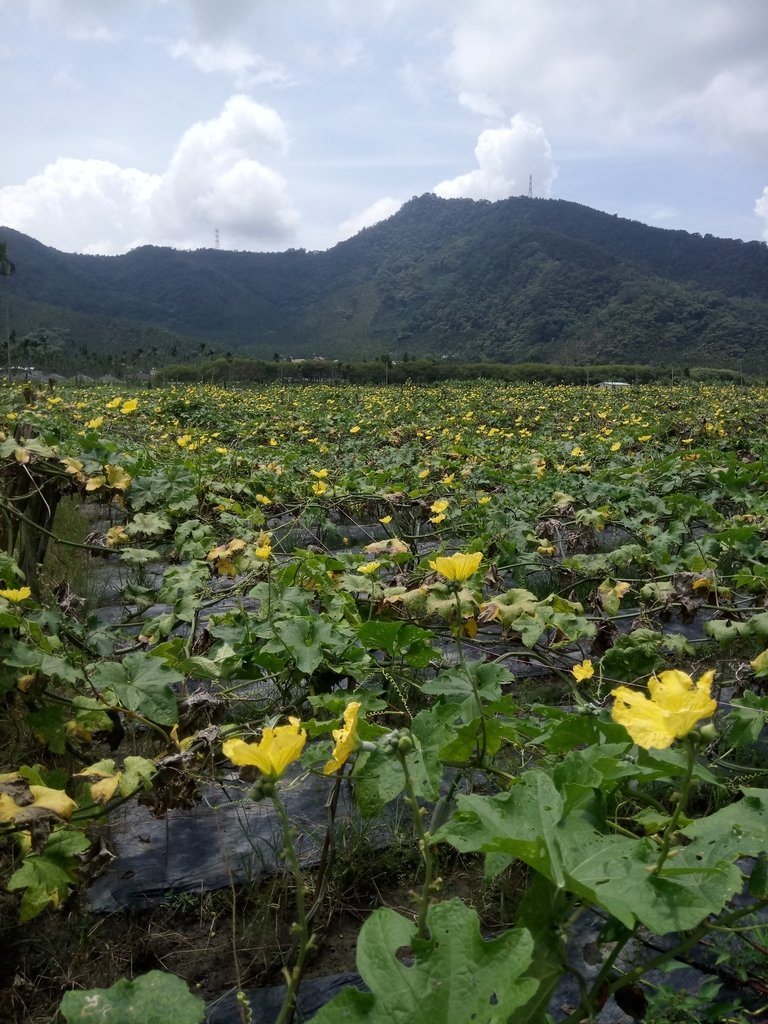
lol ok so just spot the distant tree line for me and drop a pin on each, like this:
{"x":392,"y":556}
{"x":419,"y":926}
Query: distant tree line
{"x":384,"y":370}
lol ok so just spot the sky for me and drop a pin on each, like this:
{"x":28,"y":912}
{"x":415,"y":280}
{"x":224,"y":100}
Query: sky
{"x":273,"y":124}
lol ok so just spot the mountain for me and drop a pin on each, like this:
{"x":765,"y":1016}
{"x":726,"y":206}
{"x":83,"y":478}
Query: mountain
{"x":511,"y":281}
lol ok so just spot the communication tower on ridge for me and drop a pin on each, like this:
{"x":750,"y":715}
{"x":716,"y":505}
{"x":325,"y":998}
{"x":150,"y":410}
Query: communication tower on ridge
{"x":530,"y":186}
{"x":217,"y":240}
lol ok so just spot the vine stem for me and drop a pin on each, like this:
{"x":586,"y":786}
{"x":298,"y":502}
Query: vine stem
{"x":425,"y":849}
{"x":301,"y":927}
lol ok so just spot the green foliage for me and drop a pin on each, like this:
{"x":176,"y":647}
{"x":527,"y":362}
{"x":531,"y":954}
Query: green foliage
{"x":47,"y":877}
{"x":517,"y":281}
{"x":152,"y":998}
{"x":455,"y":976}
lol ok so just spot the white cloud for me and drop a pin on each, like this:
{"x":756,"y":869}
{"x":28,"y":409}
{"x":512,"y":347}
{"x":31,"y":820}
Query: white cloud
{"x":374,"y":213}
{"x":606,"y":71}
{"x":761,"y":209}
{"x":230,"y":58}
{"x":505,"y":159}
{"x":216,"y":179}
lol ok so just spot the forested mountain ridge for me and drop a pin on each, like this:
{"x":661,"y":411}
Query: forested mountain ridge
{"x":516,"y":280}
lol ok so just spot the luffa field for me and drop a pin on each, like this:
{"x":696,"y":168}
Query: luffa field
{"x":523,"y":626}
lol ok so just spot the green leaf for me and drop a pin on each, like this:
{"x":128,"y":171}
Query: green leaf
{"x":47,"y":877}
{"x":456,"y":976}
{"x":740,"y":829}
{"x":532,"y":822}
{"x":137,"y":771}
{"x":142,"y":683}
{"x":725,"y":631}
{"x":378,"y":779}
{"x":153,"y":998}
{"x":147,"y":524}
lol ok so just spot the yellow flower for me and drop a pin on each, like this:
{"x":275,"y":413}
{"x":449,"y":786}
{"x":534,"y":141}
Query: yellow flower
{"x":321,"y":474}
{"x":675,"y":706}
{"x":276,"y":749}
{"x":94,"y":424}
{"x":263,"y":499}
{"x":354,"y":430}
{"x":263,"y":545}
{"x":645,"y":437}
{"x":346,"y":739}
{"x":583,"y":671}
{"x":130,"y":406}
{"x":577,"y":452}
{"x":616,"y":446}
{"x":16,"y":595}
{"x":114,"y":403}
{"x":458,"y":567}
{"x":438,"y":506}
{"x":423,"y":474}
{"x":484,"y":500}
{"x":319,"y":488}
{"x":386,"y":520}
{"x":448,"y":479}
{"x":184,"y":440}
{"x":366,"y":570}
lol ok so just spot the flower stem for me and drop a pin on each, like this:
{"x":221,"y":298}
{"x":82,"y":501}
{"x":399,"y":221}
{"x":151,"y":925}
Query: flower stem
{"x":680,"y":807}
{"x":483,"y":746}
{"x":301,"y":927}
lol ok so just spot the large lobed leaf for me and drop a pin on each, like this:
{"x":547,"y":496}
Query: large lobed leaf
{"x":456,"y":976}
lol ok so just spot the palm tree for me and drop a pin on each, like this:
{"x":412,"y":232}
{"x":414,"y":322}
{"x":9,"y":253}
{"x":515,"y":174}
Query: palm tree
{"x":6,"y":269}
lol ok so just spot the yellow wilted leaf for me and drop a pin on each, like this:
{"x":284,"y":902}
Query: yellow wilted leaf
{"x":118,"y":478}
{"x":8,"y":809}
{"x":116,"y":535}
{"x":73,"y":466}
{"x":55,"y":800}
{"x":103,"y":790}
{"x":93,"y":483}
